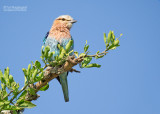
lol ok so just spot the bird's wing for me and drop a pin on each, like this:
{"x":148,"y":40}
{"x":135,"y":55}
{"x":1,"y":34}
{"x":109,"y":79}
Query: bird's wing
{"x":52,"y":43}
{"x":45,"y":38}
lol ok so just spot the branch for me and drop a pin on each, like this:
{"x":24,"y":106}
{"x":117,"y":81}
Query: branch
{"x":51,"y":73}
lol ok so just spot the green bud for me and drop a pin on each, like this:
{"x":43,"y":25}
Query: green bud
{"x":34,"y":74}
{"x":82,"y":54}
{"x":32,"y":91}
{"x":116,"y":42}
{"x":29,"y":69}
{"x":76,"y":53}
{"x":62,"y":53}
{"x":68,"y":46}
{"x":1,"y":75}
{"x":6,"y":102}
{"x":50,"y":55}
{"x":105,"y":38}
{"x":7,"y":71}
{"x":93,"y":65}
{"x":3,"y":86}
{"x":86,"y":48}
{"x":97,"y":52}
{"x":109,"y":36}
{"x":107,"y":45}
{"x":46,"y":50}
{"x":37,"y":64}
{"x":113,"y":36}
{"x":42,"y":52}
{"x":44,"y":88}
{"x":11,"y":78}
{"x":24,"y":71}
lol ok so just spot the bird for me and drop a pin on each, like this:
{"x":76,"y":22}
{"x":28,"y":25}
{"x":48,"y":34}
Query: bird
{"x":60,"y":34}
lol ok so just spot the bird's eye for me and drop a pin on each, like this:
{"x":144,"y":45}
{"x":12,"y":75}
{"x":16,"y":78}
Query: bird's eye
{"x":63,"y":19}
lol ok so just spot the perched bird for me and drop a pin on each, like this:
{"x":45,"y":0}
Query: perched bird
{"x":60,"y":34}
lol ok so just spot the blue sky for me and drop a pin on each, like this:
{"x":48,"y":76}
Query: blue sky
{"x":128,"y":81}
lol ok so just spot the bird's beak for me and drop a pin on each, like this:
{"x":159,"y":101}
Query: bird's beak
{"x":73,"y":21}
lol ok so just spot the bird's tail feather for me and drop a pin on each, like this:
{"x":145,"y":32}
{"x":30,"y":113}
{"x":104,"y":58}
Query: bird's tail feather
{"x":64,"y":84}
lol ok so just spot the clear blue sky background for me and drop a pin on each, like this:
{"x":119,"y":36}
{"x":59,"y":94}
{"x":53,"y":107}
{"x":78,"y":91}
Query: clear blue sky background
{"x":128,"y":81}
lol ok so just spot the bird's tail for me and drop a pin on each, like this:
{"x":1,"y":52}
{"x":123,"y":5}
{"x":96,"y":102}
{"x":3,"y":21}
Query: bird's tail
{"x":64,"y":84}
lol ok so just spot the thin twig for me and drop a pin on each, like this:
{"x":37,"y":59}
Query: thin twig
{"x":7,"y":95}
{"x":18,"y":92}
{"x":98,"y":54}
{"x":74,"y":70}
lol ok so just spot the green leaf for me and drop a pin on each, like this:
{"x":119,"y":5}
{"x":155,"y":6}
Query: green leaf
{"x":4,"y":92}
{"x":116,"y":42}
{"x":76,"y":53}
{"x":100,"y":56}
{"x":25,"y":80}
{"x":26,"y":104}
{"x":86,"y":48}
{"x":62,"y":52}
{"x":57,"y":58}
{"x":6,"y":74}
{"x":68,"y":46}
{"x":1,"y":75}
{"x":86,"y":41}
{"x":23,"y":94}
{"x":42,"y":52}
{"x":19,"y":101}
{"x":44,"y":88}
{"x":93,"y":65}
{"x":107,"y":45}
{"x":113,"y":36}
{"x":24,"y":71}
{"x":1,"y":103}
{"x":38,"y":78}
{"x":3,"y":86}
{"x":51,"y":55}
{"x":14,"y":85}
{"x":4,"y":102}
{"x":11,"y":107}
{"x":3,"y":80}
{"x":97,"y":52}
{"x":112,"y":47}
{"x":109,"y":36}
{"x":105,"y":38}
{"x":11,"y":79}
{"x":46,"y":50}
{"x":86,"y":61}
{"x":29,"y":70}
{"x":70,"y":52}
{"x":35,"y":74}
{"x":82,"y":54}
{"x":14,"y":112}
{"x":38,"y":64}
{"x":32,"y":91}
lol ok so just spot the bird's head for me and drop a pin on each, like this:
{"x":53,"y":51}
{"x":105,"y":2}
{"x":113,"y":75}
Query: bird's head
{"x":64,"y":21}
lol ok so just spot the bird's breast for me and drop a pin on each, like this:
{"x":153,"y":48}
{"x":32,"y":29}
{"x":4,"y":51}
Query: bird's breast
{"x":60,"y":34}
